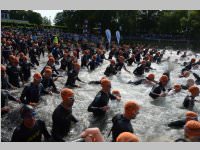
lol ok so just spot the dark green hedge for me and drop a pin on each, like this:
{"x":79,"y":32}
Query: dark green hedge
{"x":28,"y":25}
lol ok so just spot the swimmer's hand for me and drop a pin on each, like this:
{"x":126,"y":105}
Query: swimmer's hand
{"x":92,"y":135}
{"x":163,"y":95}
{"x":105,"y":108}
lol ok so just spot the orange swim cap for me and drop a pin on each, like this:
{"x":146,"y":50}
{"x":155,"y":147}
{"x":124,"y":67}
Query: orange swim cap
{"x":48,"y":71}
{"x":190,"y":115}
{"x":193,"y":60}
{"x":103,"y":78}
{"x":65,"y":54}
{"x":151,"y":76}
{"x":192,"y":129}
{"x":190,"y":82}
{"x":186,"y":73}
{"x":143,"y":62}
{"x":121,"y":58}
{"x":177,"y":87}
{"x":21,"y":54}
{"x":105,"y":82}
{"x":194,"y":90}
{"x":112,"y":61}
{"x":37,"y":76}
{"x":116,"y":92}
{"x":25,"y":58}
{"x":75,"y":53}
{"x":51,"y":59}
{"x":76,"y":65}
{"x":127,"y":137}
{"x":131,"y":107}
{"x":94,"y":57}
{"x":66,"y":93}
{"x":16,"y":60}
{"x":11,"y":58}
{"x":164,"y":79}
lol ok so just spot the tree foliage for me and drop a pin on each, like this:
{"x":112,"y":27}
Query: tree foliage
{"x":31,"y":16}
{"x":183,"y":22}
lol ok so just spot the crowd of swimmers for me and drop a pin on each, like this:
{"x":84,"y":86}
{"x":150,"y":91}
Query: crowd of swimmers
{"x":22,"y":53}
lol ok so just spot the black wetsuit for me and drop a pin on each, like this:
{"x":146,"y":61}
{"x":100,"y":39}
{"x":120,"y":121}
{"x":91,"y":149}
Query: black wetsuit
{"x":24,"y":134}
{"x":48,"y":82}
{"x":5,"y":96}
{"x":178,"y":124}
{"x":138,"y":82}
{"x":62,"y":119}
{"x":111,"y":54}
{"x":21,"y":61}
{"x":119,"y":66}
{"x":26,"y":70}
{"x":4,"y":82}
{"x":148,"y":66}
{"x":92,"y":65}
{"x":197,"y":78}
{"x":63,"y":64}
{"x":84,"y":60}
{"x":6,"y":52}
{"x":139,"y":70}
{"x":54,"y":70}
{"x":120,"y":124}
{"x":32,"y":93}
{"x":100,"y":100}
{"x":110,"y":70}
{"x":94,"y":82}
{"x":33,"y":57}
{"x":184,"y":87}
{"x":187,"y":68}
{"x":188,"y":102}
{"x":14,"y":75}
{"x":157,"y":89}
{"x":137,"y":57}
{"x":72,"y":77}
{"x":130,"y":61}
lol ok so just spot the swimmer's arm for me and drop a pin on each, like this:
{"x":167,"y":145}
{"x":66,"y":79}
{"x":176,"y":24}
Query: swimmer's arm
{"x":126,"y":69}
{"x":80,"y":80}
{"x":45,"y":132}
{"x":156,"y":94}
{"x":23,"y":95}
{"x":112,"y":97}
{"x":74,"y":119}
{"x":92,"y":108}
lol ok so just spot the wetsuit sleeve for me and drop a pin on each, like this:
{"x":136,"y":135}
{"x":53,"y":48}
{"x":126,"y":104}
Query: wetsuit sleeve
{"x":79,"y":79}
{"x":94,"y":82}
{"x":8,"y":83}
{"x":177,"y":124}
{"x":196,"y":76}
{"x":54,"y":68}
{"x":31,"y":65}
{"x":43,"y":90}
{"x":125,"y":68}
{"x":23,"y":95}
{"x":53,"y":84}
{"x":45,"y":132}
{"x":112,"y":97}
{"x":137,"y":82}
{"x":10,"y":97}
{"x":92,"y":108}
{"x":88,"y":65}
{"x":42,"y":70}
{"x":15,"y":136}
{"x":73,"y":119}
{"x":20,"y":74}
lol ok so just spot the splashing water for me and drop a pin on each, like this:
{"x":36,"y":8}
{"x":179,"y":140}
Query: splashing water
{"x":149,"y":125}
